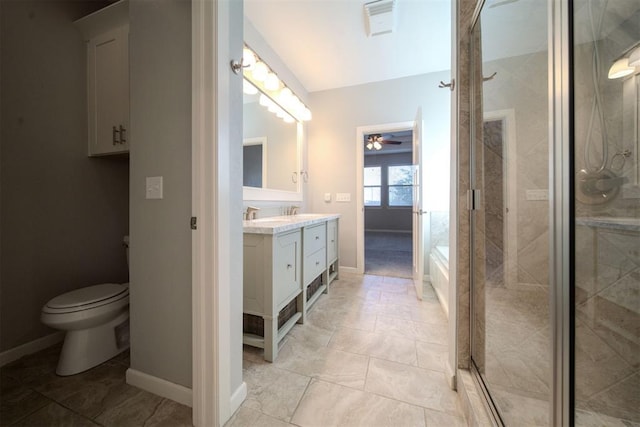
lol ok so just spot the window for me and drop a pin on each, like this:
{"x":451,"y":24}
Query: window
{"x":372,"y":185}
{"x":400,"y":185}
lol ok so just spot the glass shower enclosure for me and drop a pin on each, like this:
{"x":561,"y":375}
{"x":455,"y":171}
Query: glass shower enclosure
{"x":555,"y":224}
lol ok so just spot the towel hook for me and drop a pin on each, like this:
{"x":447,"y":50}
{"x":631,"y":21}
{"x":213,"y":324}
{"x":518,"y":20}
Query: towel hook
{"x":450,"y":85}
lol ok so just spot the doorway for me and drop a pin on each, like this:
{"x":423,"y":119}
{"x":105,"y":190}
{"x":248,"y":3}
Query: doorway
{"x":387,"y":179}
{"x":385,"y":199}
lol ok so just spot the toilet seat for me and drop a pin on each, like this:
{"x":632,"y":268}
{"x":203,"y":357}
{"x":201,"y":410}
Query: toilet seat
{"x":86,"y":298}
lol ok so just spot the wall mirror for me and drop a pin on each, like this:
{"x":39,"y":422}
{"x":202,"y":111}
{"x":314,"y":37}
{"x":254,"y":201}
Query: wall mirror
{"x":271,"y":152}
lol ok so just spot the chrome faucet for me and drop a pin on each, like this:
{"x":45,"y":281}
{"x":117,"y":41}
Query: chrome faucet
{"x":293,"y":210}
{"x":251,"y":212}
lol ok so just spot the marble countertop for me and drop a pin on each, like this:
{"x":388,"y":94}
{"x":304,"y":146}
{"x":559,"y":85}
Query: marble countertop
{"x":279,"y":224}
{"x":632,"y":224}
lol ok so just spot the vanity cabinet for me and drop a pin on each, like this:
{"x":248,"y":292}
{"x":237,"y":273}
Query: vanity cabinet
{"x":106,"y":34}
{"x":272,"y":280}
{"x":284,"y":258}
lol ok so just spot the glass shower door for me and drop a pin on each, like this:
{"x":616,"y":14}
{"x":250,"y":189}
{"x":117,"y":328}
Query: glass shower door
{"x":510,"y":346}
{"x":607,"y":212}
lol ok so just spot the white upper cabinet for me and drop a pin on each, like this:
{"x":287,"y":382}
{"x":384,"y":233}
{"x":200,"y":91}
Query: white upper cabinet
{"x":106,"y":34}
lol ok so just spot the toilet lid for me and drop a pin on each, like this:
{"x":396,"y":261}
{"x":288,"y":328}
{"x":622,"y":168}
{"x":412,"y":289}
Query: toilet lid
{"x":88,"y":295}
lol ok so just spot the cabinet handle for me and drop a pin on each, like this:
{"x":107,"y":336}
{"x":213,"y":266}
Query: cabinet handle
{"x":123,"y":138}
{"x":317,"y":262}
{"x":317,"y":237}
{"x":114,"y":136}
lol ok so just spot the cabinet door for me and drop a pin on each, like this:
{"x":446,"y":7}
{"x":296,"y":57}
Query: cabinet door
{"x":286,"y":267}
{"x":108,"y":92}
{"x":332,"y":241}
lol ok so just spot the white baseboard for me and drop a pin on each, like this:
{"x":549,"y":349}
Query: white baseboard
{"x":34,"y":346}
{"x":164,"y":388}
{"x":348,"y":270}
{"x":451,"y":376}
{"x":238,"y":397}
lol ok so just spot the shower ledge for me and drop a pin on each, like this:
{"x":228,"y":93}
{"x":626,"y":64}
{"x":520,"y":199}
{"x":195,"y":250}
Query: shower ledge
{"x":630,"y":224}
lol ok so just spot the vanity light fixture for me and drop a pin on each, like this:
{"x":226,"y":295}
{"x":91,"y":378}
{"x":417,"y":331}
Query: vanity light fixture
{"x":248,"y":88}
{"x":262,"y":77}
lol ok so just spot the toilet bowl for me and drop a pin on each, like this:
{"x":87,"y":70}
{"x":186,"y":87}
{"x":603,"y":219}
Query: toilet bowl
{"x":96,"y":321}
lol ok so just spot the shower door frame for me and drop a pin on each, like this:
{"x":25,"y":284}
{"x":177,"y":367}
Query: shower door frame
{"x":561,"y":211}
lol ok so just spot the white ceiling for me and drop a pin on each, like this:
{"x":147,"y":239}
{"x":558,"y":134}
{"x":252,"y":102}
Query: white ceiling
{"x":325,"y":43}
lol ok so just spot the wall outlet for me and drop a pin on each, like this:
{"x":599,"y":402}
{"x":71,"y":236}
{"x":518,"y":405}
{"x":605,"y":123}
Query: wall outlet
{"x":327,"y":197}
{"x":154,"y":187}
{"x":537,"y":194}
{"x":343,"y":197}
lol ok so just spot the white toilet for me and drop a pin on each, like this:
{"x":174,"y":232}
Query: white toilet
{"x":96,"y":321}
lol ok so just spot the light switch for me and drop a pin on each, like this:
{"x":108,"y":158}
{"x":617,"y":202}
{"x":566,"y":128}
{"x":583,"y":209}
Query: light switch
{"x":343,"y":197}
{"x":327,"y":197}
{"x":154,"y":187}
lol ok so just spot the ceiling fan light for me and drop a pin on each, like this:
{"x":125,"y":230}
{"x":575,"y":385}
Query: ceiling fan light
{"x":377,"y":145}
{"x":369,"y":145}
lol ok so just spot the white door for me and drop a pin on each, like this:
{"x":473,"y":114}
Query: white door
{"x":418,"y":240}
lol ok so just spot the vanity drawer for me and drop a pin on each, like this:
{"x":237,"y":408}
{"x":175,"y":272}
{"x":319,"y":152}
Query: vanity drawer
{"x":315,"y":238}
{"x":314,"y":265}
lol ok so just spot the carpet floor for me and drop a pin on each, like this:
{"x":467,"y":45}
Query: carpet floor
{"x":388,"y":254}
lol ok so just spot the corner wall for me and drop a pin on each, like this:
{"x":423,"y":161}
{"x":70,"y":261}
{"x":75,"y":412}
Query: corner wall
{"x":160,"y":60}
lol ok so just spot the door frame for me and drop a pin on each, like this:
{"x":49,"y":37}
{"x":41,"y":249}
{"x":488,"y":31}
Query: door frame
{"x":361,"y":131}
{"x":509,"y":190}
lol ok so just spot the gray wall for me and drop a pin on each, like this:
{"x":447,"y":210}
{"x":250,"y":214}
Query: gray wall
{"x":160,"y":58}
{"x":332,"y":141}
{"x":384,"y":217}
{"x":63,"y":215}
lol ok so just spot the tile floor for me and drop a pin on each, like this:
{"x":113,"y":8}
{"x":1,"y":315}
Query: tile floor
{"x":370,"y":354}
{"x":32,"y":395}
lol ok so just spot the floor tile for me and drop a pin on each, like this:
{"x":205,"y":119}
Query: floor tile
{"x":327,"y":405}
{"x":327,"y":364}
{"x":383,"y":346}
{"x":247,"y":417}
{"x":436,"y":334}
{"x":273,"y":391}
{"x":412,"y":385}
{"x":54,"y":415}
{"x":432,"y":356}
{"x":442,"y":419}
{"x":17,"y":401}
{"x":135,"y":410}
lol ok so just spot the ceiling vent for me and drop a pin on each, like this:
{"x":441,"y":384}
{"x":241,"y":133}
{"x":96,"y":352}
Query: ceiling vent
{"x":380,"y":16}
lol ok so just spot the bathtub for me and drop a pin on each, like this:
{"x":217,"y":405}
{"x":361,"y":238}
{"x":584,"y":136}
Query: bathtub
{"x":439,"y":273}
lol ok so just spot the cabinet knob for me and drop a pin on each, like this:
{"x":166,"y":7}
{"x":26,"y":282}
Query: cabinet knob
{"x":289,"y":266}
{"x":317,"y":237}
{"x":317,"y":262}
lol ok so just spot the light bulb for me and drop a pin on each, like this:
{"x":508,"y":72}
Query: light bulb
{"x":288,"y":119}
{"x":248,"y":88}
{"x":260,"y":71}
{"x":248,"y":58}
{"x":369,"y":145}
{"x":271,"y":82}
{"x":377,"y":145}
{"x":620,"y":69}
{"x":306,"y":114}
{"x":264,"y":101}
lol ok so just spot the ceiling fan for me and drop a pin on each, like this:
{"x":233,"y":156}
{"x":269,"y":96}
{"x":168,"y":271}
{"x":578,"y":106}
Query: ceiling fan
{"x":375,"y":141}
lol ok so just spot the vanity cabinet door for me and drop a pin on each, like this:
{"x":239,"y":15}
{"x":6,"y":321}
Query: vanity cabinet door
{"x":286,"y":267}
{"x":332,"y":241}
